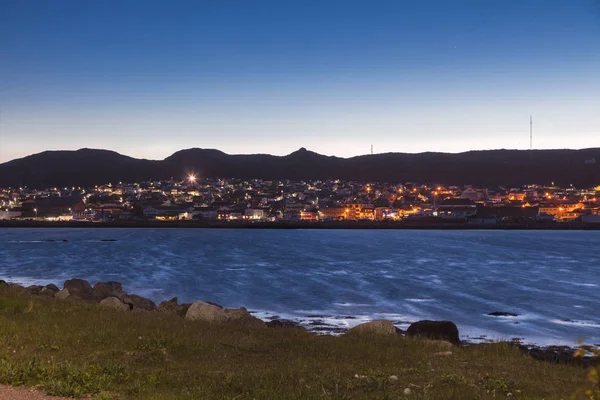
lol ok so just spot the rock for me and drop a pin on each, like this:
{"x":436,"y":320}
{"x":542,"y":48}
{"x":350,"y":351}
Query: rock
{"x":202,"y":311}
{"x":103,"y":290}
{"x":34,"y":289}
{"x":172,"y":306}
{"x":119,"y":294}
{"x":184,"y":308}
{"x":47,"y":292}
{"x":440,"y":330}
{"x":139,"y":303}
{"x":80,"y":287}
{"x":3,"y":284}
{"x":238,"y":314}
{"x":380,"y":328}
{"x":52,"y":287}
{"x":283,"y":323}
{"x":115,"y":304}
{"x":74,"y":298}
{"x":62,"y":294}
{"x":407,"y":392}
{"x":559,"y":355}
{"x":503,"y":314}
{"x":393,"y":378}
{"x":168,"y":305}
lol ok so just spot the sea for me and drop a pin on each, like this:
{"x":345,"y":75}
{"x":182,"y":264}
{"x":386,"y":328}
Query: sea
{"x":331,"y":280}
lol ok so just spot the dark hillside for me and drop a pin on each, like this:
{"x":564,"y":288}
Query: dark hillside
{"x":491,"y":167}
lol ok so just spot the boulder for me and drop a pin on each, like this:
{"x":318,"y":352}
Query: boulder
{"x":47,"y":292}
{"x":202,"y":311}
{"x":283,"y":323}
{"x":52,"y":287}
{"x":114,"y":303}
{"x":502,"y":314}
{"x":438,"y":330}
{"x":379,"y":328}
{"x":74,"y":298}
{"x":62,"y":294}
{"x":172,"y":306}
{"x":103,"y":290}
{"x":119,"y":294}
{"x":80,"y":287}
{"x":139,"y":303}
{"x":34,"y":289}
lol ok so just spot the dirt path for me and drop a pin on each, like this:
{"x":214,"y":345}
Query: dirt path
{"x":24,"y":393}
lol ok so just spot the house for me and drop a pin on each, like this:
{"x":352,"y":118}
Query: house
{"x":311,"y":215}
{"x":337,"y":213}
{"x":9,"y":214}
{"x":57,"y":206}
{"x":254,"y":213}
{"x":205,"y":213}
{"x":151,"y":212}
{"x":517,"y":214}
{"x":484,"y":216}
{"x":457,"y":208}
{"x":474,"y":194}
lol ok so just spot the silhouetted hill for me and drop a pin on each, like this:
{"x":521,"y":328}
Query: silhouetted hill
{"x":491,"y":167}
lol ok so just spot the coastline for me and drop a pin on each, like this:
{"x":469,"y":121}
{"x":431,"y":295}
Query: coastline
{"x":365,"y":225}
{"x":84,"y":349}
{"x":82,"y":292}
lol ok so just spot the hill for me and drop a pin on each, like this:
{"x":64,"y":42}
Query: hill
{"x":491,"y":167}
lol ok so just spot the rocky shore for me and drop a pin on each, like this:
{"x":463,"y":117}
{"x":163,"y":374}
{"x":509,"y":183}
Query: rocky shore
{"x":111,"y":295}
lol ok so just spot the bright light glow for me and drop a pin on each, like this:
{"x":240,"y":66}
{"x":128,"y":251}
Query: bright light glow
{"x":192,"y":178}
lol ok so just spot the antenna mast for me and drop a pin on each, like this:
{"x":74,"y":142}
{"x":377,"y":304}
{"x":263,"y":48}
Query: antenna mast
{"x":531,"y":132}
{"x":531,"y":137}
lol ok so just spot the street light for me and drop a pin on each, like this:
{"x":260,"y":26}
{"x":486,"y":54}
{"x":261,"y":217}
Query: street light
{"x":35,"y":209}
{"x":192,"y":178}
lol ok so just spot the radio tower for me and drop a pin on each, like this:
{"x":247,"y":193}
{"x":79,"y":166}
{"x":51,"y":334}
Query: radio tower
{"x":531,"y":136}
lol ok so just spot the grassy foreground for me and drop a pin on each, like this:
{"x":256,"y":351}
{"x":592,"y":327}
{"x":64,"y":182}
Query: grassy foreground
{"x":80,"y":350}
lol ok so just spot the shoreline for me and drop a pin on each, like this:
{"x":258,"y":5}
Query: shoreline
{"x":361,"y":225}
{"x":558,"y":353}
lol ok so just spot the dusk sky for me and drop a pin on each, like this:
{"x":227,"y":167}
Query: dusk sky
{"x":146,"y":78}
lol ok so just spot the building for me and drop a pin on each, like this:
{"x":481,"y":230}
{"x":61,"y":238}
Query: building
{"x":54,"y":207}
{"x":311,"y":216}
{"x":336,"y":213}
{"x":254,"y":214}
{"x":458,"y":208}
{"x":475,"y":194}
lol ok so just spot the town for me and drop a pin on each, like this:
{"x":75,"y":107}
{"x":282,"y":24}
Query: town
{"x":272,"y":201}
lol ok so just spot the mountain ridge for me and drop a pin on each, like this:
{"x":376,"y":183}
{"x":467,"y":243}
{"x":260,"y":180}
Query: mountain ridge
{"x":85,"y":167}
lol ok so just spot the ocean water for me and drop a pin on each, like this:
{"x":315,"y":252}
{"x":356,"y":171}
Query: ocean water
{"x":335,"y":279}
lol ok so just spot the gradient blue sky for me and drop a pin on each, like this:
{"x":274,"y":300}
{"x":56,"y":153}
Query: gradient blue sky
{"x":147,"y":78}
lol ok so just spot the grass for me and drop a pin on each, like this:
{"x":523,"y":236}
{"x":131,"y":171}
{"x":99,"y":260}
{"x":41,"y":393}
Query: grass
{"x":80,"y":350}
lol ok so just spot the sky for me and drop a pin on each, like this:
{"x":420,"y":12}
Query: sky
{"x":147,"y":78}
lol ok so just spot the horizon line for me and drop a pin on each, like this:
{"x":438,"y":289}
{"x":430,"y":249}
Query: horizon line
{"x":301,"y":149}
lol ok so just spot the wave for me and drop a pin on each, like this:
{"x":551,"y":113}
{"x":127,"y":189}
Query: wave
{"x":568,"y":322}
